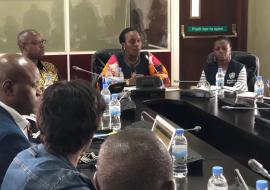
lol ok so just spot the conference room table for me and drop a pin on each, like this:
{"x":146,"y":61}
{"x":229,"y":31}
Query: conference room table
{"x":234,"y":132}
{"x":228,"y":138}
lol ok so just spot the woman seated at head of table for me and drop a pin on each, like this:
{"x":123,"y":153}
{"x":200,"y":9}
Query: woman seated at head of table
{"x":132,"y":61}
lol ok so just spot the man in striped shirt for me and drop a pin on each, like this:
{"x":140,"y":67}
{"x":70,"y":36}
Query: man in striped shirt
{"x":235,"y":72}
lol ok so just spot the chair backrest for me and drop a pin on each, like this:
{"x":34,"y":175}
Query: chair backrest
{"x":100,"y":58}
{"x":250,"y":61}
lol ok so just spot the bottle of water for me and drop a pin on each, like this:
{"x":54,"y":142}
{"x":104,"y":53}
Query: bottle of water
{"x":115,"y":108}
{"x":106,"y":116}
{"x":220,"y":82}
{"x":179,"y":154}
{"x":121,"y":75}
{"x":259,"y":88}
{"x":217,"y":181}
{"x":108,"y":76}
{"x":261,"y":185}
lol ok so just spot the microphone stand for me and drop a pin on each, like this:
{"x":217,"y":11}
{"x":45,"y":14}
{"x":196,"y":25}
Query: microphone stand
{"x":196,"y":128}
{"x":147,"y":114}
{"x":239,"y":181}
{"x":242,"y":108}
{"x":83,"y":70}
{"x":94,"y":76}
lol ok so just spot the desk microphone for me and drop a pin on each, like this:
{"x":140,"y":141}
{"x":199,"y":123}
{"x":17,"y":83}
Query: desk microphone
{"x":258,"y":168}
{"x":81,"y":69}
{"x":196,"y":128}
{"x":242,"y":108}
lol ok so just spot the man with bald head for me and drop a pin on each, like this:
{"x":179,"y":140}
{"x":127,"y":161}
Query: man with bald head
{"x":32,"y":46}
{"x":134,"y":159}
{"x":19,"y":92}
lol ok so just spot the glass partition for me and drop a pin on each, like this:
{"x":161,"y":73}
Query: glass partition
{"x":96,"y":24}
{"x":150,"y":17}
{"x":93,"y":24}
{"x":46,"y":16}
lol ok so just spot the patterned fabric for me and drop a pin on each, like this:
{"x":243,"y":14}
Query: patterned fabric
{"x":147,"y":65}
{"x":48,"y":74}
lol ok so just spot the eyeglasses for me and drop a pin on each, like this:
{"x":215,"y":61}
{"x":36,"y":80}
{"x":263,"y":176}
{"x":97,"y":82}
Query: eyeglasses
{"x":42,"y":42}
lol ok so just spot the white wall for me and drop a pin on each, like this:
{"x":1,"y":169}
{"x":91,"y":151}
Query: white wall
{"x":259,"y":33}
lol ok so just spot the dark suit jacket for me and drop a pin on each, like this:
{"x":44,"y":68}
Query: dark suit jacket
{"x":12,"y":141}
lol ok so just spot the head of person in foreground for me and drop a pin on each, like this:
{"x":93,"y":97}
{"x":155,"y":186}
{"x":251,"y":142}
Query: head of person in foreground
{"x":68,"y":117}
{"x":19,"y":79}
{"x":134,"y":159}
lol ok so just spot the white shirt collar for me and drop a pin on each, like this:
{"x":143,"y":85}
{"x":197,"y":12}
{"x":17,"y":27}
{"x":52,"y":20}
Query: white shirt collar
{"x":18,"y":118}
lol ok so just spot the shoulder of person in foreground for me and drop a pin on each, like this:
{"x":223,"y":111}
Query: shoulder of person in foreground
{"x":11,"y":145}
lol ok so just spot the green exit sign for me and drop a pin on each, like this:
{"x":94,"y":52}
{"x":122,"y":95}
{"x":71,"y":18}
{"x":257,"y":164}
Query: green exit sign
{"x":207,"y":29}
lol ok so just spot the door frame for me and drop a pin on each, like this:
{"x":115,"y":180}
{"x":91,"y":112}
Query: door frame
{"x":175,"y":40}
{"x":241,"y":28}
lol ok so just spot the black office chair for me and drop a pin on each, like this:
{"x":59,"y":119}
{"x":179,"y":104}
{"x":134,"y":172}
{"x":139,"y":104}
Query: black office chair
{"x":100,"y":58}
{"x":250,"y":61}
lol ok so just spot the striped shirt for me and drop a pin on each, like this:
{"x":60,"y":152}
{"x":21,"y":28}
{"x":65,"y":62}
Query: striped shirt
{"x":241,"y":83}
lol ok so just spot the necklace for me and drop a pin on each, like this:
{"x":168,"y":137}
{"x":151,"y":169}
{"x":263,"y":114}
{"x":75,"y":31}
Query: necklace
{"x":132,"y":63}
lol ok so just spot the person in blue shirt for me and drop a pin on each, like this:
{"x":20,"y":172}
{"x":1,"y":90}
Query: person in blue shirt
{"x":67,"y":118}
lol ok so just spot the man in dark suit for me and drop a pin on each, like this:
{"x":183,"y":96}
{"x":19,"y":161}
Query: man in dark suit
{"x":19,"y":92}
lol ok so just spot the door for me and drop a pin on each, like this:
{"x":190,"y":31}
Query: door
{"x":217,"y":17}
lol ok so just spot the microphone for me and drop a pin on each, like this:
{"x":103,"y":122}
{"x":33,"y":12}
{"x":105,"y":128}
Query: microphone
{"x":81,"y":69}
{"x":258,"y":168}
{"x":242,"y":108}
{"x":196,"y":128}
